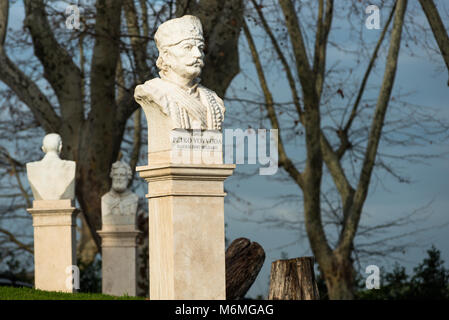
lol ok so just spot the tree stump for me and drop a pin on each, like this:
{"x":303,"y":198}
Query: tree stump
{"x":244,"y":259}
{"x":293,"y":279}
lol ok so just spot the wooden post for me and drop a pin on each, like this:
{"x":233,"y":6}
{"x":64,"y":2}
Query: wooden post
{"x":244,"y":259}
{"x":293,"y":279}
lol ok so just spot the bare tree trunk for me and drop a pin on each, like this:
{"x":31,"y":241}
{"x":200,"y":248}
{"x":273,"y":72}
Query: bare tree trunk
{"x":86,"y":249}
{"x":339,"y":289}
{"x":244,"y":259}
{"x":143,"y":272}
{"x":339,"y":279}
{"x":293,"y":279}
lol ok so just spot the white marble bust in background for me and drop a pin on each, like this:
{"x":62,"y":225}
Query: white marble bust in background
{"x":177,"y":92}
{"x":119,"y":205}
{"x":52,"y":178}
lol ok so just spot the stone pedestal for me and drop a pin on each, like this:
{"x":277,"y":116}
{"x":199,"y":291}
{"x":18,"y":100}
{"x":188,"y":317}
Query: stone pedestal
{"x":185,"y":171}
{"x":54,"y":223}
{"x":119,"y":254}
{"x":186,"y":230}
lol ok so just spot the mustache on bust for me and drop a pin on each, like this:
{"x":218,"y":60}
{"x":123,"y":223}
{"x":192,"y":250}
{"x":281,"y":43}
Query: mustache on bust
{"x":199,"y":61}
{"x":120,"y":184}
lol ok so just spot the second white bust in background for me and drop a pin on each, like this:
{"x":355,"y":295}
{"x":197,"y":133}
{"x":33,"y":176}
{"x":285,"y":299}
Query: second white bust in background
{"x":52,"y":178}
{"x":177,"y":92}
{"x":119,"y":205}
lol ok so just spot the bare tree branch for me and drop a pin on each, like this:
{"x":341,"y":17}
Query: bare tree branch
{"x":13,"y":239}
{"x":363,"y":84}
{"x":59,"y":69}
{"x":19,"y":182}
{"x":284,"y":160}
{"x":323,"y":28}
{"x":23,"y":87}
{"x":349,"y":230}
{"x":438,"y":29}
{"x":306,"y":77}
{"x":4,"y":9}
{"x":105,"y":56}
{"x":290,"y":78}
{"x":145,"y":25}
{"x":338,"y":175}
{"x":138,"y":43}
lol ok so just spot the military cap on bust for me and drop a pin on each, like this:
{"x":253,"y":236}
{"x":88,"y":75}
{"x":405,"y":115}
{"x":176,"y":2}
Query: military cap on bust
{"x":175,"y":30}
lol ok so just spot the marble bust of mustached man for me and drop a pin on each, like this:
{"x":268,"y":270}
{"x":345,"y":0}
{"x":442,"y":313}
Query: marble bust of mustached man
{"x":178,"y":92}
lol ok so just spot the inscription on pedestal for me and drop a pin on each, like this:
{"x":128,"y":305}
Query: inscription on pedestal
{"x":196,"y":146}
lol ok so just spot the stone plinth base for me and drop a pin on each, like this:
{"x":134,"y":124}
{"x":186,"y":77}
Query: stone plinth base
{"x":119,"y":273}
{"x":186,"y":230}
{"x":54,"y":223}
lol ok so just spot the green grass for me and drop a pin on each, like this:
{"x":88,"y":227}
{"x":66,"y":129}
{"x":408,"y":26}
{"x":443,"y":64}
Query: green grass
{"x":10,"y":293}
